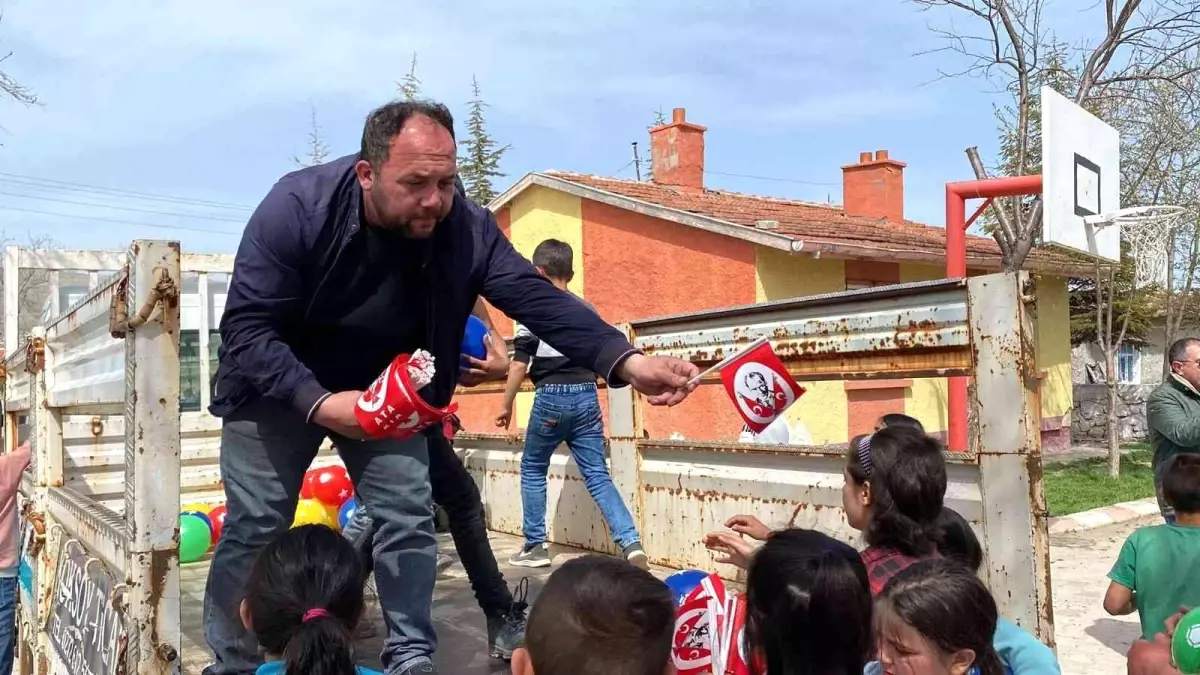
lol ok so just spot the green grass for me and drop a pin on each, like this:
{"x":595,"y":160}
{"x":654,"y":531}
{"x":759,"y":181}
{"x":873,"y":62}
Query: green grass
{"x":1084,"y":484}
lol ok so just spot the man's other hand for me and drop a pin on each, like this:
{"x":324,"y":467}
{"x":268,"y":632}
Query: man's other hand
{"x":336,"y":413}
{"x":663,"y":379}
{"x":504,"y":418}
{"x":493,"y":367}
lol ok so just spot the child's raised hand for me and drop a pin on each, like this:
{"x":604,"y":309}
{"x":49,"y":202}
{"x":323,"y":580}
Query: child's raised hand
{"x":733,"y":549}
{"x":750,"y":526}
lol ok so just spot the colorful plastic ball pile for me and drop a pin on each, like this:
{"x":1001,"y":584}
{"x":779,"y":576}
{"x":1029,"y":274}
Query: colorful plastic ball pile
{"x":200,"y":527}
{"x":326,"y":498}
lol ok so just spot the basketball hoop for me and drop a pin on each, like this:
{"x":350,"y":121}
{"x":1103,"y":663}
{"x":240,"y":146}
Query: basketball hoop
{"x":1147,"y":230}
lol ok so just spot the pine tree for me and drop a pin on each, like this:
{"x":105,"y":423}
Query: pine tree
{"x":647,"y":163}
{"x":480,"y":161}
{"x":410,"y":86}
{"x":318,"y":150}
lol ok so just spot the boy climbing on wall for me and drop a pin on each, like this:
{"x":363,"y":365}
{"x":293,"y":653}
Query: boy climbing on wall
{"x":566,"y":409}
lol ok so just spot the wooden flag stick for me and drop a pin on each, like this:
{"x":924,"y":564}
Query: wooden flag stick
{"x":728,"y":360}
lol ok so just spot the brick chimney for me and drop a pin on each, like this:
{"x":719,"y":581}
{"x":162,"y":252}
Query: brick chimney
{"x":874,"y":188}
{"x":677,"y":153}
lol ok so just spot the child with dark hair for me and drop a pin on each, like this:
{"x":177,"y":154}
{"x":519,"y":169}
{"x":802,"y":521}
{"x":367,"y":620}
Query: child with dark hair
{"x":1020,"y":652}
{"x":1151,"y":575}
{"x":937,"y":618}
{"x":895,"y":483}
{"x":599,"y":615}
{"x":895,"y":480}
{"x":899,"y":420}
{"x":303,"y":599}
{"x":808,"y":606}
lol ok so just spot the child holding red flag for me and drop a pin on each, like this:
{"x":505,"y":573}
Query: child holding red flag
{"x":807,"y":609}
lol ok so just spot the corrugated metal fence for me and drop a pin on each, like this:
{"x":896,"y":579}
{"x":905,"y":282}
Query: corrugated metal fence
{"x":680,"y":490}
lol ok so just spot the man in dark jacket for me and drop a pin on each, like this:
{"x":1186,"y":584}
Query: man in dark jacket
{"x":1173,"y":413}
{"x":342,"y":267}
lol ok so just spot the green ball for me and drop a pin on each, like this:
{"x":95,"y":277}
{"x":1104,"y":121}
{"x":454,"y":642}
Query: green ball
{"x":194,"y":538}
{"x":1185,"y":643}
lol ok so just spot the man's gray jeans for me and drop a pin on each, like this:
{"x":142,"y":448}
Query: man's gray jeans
{"x":265,"y":449}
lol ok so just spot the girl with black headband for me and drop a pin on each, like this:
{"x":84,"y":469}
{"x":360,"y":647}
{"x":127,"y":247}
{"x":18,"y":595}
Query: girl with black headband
{"x":895,"y":484}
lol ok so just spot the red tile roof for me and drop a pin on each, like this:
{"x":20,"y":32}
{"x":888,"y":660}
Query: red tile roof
{"x":818,"y":224}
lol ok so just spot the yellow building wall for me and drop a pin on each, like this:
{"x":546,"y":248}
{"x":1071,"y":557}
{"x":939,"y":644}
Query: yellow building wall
{"x":1054,"y":345}
{"x":778,"y":275}
{"x":926,"y":398}
{"x":538,"y":214}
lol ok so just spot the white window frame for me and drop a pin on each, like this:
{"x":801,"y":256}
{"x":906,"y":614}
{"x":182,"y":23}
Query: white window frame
{"x":1128,"y":350}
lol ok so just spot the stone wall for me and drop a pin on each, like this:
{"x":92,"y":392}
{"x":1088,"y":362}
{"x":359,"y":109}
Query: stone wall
{"x":1090,"y":419}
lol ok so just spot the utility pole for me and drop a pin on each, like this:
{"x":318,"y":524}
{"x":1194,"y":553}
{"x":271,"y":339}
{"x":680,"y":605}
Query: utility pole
{"x":637,"y":163}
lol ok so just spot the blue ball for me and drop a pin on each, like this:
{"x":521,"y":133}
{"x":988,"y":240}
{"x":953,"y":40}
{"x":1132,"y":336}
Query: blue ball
{"x":347,"y":512}
{"x":682,"y":583}
{"x":472,"y":342}
{"x":202,"y":515}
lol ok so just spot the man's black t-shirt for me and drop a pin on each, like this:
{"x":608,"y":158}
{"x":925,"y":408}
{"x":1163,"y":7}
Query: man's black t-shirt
{"x":384,"y":276}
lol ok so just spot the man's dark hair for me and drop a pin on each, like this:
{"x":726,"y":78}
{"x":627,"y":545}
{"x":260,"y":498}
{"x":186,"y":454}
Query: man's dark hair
{"x":1181,"y":483}
{"x":1178,"y":351}
{"x":599,"y":615}
{"x":387,"y":120}
{"x":554,"y":257}
{"x":902,"y":420}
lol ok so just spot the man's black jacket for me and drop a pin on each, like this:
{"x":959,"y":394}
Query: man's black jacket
{"x":295,"y":238}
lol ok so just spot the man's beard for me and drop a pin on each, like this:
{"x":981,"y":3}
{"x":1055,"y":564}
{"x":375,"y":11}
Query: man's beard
{"x":407,"y":227}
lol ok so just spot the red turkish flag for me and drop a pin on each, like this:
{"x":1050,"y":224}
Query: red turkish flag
{"x":761,"y":388}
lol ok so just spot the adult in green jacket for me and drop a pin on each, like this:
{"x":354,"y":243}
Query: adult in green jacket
{"x":1173,"y":412}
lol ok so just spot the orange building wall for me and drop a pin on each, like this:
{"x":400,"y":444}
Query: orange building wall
{"x":638,"y":267}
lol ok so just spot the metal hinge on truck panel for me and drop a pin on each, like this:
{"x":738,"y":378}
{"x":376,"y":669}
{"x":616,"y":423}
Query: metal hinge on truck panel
{"x":119,"y":323}
{"x":35,"y":355}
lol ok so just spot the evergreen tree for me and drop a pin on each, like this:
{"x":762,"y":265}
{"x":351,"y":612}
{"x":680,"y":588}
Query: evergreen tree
{"x":410,"y":86}
{"x":480,"y":161}
{"x":1143,"y":306}
{"x":318,"y":149}
{"x":647,"y":163}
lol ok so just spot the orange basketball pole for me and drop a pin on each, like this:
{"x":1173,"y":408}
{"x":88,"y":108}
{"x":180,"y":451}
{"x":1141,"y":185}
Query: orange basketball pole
{"x":957,"y":195}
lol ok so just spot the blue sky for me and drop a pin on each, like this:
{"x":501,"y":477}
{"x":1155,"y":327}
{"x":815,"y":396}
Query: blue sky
{"x":209,"y":101}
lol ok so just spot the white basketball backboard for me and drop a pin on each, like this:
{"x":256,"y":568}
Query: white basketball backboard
{"x":1081,"y":176}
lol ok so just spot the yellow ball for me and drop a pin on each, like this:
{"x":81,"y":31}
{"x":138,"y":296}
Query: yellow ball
{"x":196,"y":506}
{"x":313,"y":512}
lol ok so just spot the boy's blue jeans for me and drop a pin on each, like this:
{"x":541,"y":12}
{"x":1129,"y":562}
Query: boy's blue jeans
{"x":569,"y":413}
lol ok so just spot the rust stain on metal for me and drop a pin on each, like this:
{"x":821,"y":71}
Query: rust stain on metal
{"x":160,"y":566}
{"x":35,"y":355}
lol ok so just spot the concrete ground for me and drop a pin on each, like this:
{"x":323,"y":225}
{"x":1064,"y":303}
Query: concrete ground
{"x":1089,"y":641}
